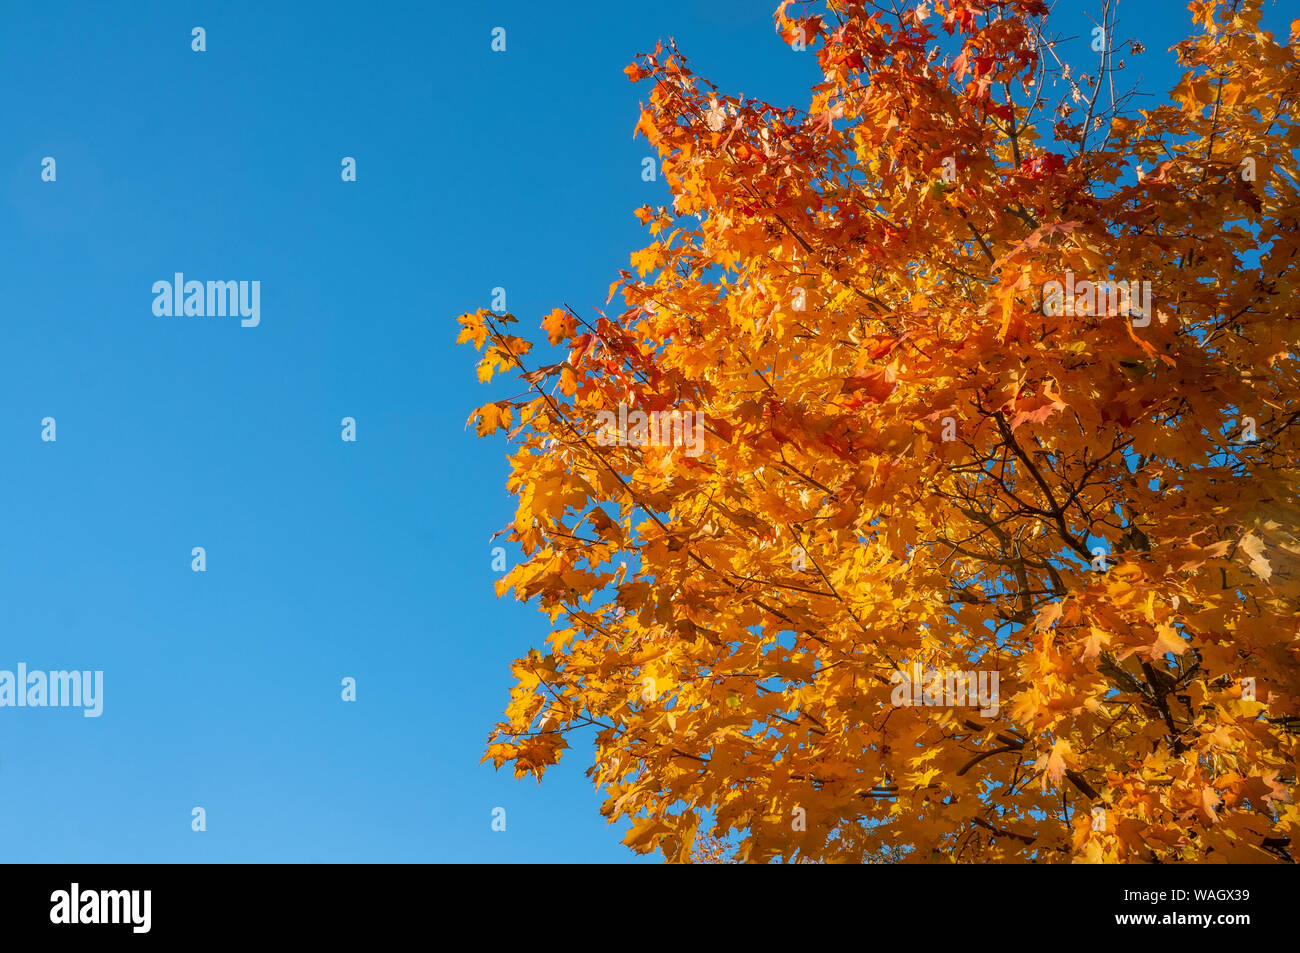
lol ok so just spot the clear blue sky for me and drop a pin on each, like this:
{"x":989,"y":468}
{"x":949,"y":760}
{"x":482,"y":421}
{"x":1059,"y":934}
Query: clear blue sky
{"x":325,"y":559}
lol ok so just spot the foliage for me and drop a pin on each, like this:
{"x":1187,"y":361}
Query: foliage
{"x":907,"y":460}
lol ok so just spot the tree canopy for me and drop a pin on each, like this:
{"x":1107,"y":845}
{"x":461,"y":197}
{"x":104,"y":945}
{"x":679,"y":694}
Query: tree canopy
{"x":994,"y":373}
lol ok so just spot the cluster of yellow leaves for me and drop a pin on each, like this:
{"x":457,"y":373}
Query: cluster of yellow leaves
{"x":906,"y":460}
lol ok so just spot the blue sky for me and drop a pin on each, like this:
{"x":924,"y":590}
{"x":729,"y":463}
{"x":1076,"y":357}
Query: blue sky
{"x":325,"y":559}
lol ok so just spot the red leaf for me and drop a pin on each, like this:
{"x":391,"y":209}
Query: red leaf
{"x":878,"y":384}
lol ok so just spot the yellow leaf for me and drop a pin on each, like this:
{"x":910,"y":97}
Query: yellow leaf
{"x":1253,"y":547}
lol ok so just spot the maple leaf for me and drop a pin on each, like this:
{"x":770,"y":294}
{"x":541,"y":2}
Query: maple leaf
{"x":1253,"y":547}
{"x":491,"y":417}
{"x":877,"y":384}
{"x":559,"y":325}
{"x":1054,"y":763}
{"x":473,"y":328}
{"x":715,"y":117}
{"x":1167,"y":642}
{"x":1048,"y":615}
{"x":824,"y":122}
{"x":1036,"y":410}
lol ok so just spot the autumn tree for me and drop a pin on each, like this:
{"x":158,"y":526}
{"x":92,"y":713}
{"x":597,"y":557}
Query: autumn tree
{"x":995,"y":373}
